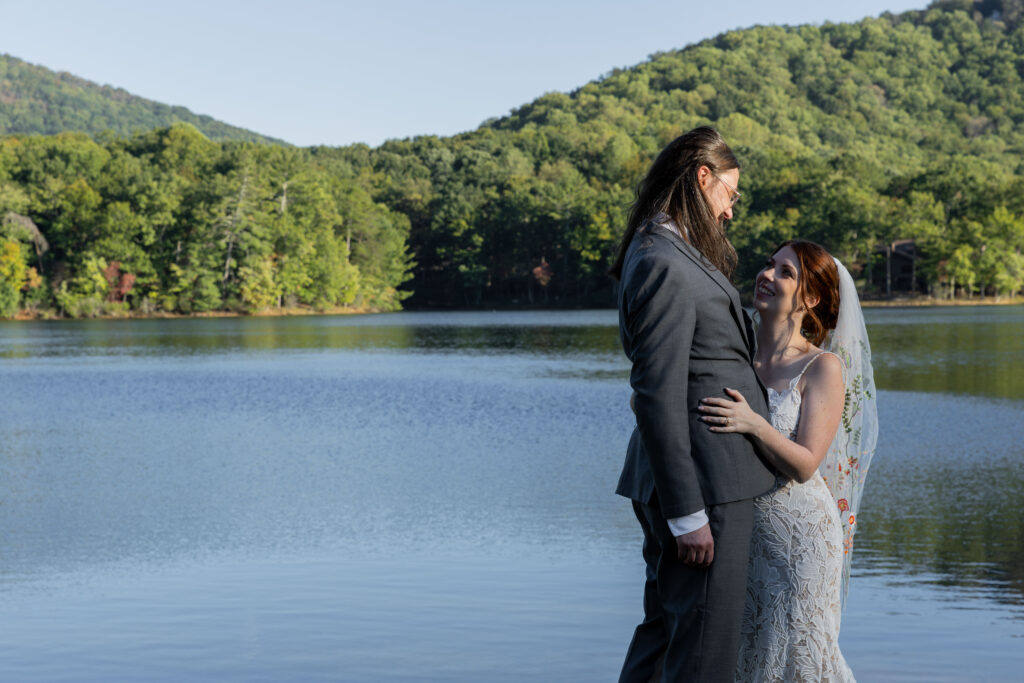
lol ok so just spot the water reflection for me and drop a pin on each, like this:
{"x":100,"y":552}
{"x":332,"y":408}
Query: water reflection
{"x":956,"y":350}
{"x":487,"y":334}
{"x":959,"y":350}
{"x":943,"y":499}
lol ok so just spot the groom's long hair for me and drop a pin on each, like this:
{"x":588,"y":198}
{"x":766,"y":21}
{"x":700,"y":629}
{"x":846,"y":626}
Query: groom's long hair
{"x":671,"y":187}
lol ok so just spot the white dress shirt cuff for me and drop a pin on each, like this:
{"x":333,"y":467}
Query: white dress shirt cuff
{"x":684,"y":525}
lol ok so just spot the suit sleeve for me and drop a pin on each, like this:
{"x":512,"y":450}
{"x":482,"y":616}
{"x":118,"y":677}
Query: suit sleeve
{"x":660,"y":319}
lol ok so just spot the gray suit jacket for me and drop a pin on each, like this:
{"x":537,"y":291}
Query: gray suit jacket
{"x":682,"y":326}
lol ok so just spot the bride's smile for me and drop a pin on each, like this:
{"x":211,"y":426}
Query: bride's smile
{"x":777,"y":286}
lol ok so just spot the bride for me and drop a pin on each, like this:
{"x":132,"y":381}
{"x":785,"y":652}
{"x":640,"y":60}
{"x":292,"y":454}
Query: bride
{"x":813,"y":356}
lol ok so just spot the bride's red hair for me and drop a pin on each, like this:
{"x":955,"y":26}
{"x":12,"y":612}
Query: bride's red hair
{"x":819,"y":279}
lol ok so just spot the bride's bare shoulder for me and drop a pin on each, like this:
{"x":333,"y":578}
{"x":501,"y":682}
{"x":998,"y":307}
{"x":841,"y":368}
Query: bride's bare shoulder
{"x":825,"y":370}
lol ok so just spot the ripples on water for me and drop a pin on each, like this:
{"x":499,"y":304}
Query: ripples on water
{"x":428,"y":497}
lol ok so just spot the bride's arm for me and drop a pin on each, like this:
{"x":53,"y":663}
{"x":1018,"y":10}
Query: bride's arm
{"x":820,"y":412}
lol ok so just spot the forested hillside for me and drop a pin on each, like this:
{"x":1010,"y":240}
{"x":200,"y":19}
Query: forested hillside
{"x":170,"y":221}
{"x":856,"y":135}
{"x":36,"y":100}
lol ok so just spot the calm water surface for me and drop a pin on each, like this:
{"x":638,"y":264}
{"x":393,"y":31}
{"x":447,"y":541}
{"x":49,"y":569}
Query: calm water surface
{"x":428,"y":497}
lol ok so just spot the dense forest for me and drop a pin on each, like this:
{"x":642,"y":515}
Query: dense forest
{"x":169,"y":221}
{"x":860,"y":135}
{"x":36,"y":100}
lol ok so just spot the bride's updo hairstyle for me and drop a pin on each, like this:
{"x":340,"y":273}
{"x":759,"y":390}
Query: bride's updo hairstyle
{"x":819,"y":278}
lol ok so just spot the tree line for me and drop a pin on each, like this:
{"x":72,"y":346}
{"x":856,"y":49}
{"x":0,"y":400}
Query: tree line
{"x":168,"y":221}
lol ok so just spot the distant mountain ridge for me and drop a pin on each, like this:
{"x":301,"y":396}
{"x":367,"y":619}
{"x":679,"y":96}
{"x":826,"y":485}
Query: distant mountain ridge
{"x":38,"y":100}
{"x":855,"y":135}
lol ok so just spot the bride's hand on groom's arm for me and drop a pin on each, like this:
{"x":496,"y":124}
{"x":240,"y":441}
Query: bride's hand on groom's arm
{"x":820,"y":413}
{"x":732,"y":414}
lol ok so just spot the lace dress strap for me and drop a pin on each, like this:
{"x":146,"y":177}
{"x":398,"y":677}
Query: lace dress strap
{"x":793,"y":382}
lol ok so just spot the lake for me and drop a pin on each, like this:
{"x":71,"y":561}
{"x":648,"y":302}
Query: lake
{"x":429,"y":497}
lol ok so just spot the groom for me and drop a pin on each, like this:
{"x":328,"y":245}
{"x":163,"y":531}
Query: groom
{"x":682,"y":326}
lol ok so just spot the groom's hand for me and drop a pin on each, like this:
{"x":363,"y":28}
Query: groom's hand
{"x":697,"y":548}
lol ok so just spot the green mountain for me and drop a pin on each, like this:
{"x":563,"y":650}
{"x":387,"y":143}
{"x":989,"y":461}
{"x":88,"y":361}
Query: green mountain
{"x":856,"y":135}
{"x":36,"y":100}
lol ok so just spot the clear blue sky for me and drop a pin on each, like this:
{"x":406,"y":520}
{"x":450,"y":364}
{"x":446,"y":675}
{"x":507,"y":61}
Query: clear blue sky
{"x":318,"y":72}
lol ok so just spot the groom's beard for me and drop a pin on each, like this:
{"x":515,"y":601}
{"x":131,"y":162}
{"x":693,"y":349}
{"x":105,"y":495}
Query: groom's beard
{"x":723,"y":227}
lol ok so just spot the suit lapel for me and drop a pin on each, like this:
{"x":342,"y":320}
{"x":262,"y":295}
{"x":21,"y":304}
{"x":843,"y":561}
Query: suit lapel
{"x":748,"y":325}
{"x":734,"y":297}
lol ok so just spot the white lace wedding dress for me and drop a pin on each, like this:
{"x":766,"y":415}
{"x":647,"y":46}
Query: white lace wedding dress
{"x":791,"y":619}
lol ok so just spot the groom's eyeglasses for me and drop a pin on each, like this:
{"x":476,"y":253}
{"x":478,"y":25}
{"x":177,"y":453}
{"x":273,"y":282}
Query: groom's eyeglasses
{"x":735,"y":194}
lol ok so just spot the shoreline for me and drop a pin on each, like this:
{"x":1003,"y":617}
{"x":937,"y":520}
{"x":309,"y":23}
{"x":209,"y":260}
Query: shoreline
{"x":929,"y":301}
{"x":47,"y":316}
{"x":25,"y":316}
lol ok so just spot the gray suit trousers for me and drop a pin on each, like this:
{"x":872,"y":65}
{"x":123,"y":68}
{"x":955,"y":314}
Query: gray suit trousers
{"x":692,"y":616}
